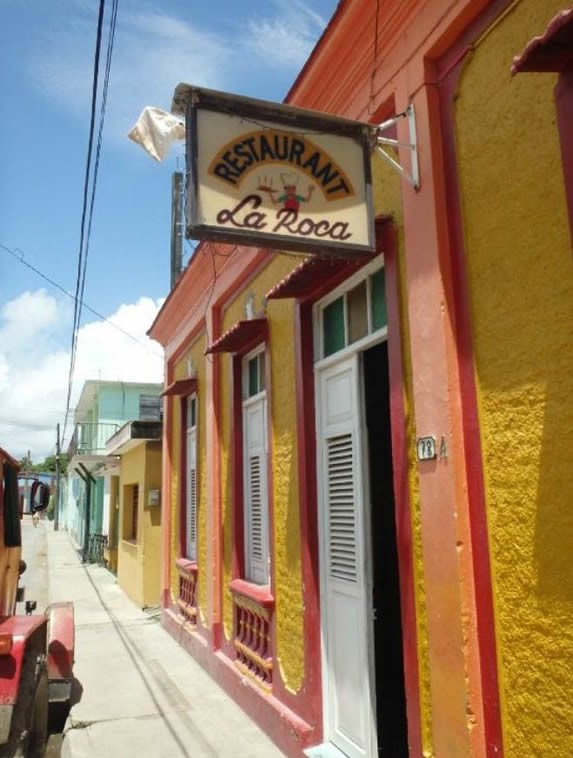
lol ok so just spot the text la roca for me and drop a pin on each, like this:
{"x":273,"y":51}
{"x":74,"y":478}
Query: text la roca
{"x":245,"y":215}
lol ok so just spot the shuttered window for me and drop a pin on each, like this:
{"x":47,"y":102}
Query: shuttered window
{"x":255,"y":471}
{"x":256,"y":505}
{"x":341,"y":513}
{"x":191,"y":480}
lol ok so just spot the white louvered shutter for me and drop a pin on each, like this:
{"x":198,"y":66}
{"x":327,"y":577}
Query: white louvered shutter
{"x":191,"y":499}
{"x":256,"y":505}
{"x":348,"y":722}
{"x":341,"y":516}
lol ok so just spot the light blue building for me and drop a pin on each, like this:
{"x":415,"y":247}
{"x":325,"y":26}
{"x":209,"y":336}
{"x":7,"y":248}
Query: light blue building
{"x":103,"y":407}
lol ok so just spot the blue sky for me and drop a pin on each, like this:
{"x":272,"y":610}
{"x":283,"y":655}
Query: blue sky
{"x":46,"y":58}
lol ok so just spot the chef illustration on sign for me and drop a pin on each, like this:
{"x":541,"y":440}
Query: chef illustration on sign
{"x":291,"y":200}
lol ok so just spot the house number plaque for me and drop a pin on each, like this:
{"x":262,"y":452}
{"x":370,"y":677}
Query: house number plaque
{"x":426,"y":447}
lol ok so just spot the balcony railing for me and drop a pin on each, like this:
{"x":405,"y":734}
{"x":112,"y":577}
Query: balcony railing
{"x":90,"y":439}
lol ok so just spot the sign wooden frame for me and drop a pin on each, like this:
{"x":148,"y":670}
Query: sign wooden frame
{"x":263,"y":117}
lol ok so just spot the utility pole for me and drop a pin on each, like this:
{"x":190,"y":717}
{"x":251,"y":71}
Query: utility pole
{"x":176,"y":226}
{"x":58,"y":473}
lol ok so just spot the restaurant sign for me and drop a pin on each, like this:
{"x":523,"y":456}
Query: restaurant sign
{"x":272,"y":175}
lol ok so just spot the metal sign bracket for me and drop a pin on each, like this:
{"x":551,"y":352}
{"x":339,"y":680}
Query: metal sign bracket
{"x":380,"y":142}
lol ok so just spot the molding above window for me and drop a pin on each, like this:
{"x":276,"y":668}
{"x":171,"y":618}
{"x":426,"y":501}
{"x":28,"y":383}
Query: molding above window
{"x":550,"y":51}
{"x":180,"y":387}
{"x":241,"y":337}
{"x":312,"y":275}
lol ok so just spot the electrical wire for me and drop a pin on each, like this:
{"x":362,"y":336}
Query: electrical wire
{"x":111,"y":38}
{"x":84,"y":248}
{"x":77,"y":307}
{"x":19,"y":255}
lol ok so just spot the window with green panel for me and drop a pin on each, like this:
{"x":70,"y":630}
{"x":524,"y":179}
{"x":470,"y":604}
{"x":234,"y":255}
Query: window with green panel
{"x":255,"y":375}
{"x":333,"y":331}
{"x":378,"y":300}
{"x":357,"y":308}
{"x":355,"y":314}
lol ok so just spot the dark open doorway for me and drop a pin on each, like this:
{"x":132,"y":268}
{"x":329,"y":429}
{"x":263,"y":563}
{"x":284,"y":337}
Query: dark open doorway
{"x":390,"y":692}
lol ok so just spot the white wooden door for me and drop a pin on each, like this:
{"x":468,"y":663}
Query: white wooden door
{"x":346,"y":614}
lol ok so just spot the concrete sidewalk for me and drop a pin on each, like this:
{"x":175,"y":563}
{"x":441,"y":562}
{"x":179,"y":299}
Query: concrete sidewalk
{"x":141,"y":694}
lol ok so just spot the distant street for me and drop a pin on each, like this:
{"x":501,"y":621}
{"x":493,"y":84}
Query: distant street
{"x":35,"y":553}
{"x":138,"y":693}
{"x":35,"y":580}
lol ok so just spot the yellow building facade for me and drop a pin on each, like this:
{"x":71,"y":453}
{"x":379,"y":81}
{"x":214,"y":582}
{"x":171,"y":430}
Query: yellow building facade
{"x":459,"y":329}
{"x":138,"y":523}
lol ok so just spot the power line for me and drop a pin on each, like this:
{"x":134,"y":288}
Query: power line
{"x":82,"y":255}
{"x":19,"y":255}
{"x":111,"y":38}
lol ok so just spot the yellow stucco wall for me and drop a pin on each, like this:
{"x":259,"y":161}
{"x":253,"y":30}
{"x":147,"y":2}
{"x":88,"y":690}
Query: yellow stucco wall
{"x":151,"y":524}
{"x":287,"y":559}
{"x":110,"y":552}
{"x":138,"y":571}
{"x":196,"y":354}
{"x":129,"y":554}
{"x":519,"y":263}
{"x":175,"y":443}
{"x":387,"y":200}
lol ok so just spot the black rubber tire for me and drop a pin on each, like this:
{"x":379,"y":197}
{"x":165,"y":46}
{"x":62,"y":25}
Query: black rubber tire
{"x":37,"y":737}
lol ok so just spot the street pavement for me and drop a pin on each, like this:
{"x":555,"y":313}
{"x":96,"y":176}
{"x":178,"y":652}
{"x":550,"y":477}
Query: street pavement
{"x":138,"y":692}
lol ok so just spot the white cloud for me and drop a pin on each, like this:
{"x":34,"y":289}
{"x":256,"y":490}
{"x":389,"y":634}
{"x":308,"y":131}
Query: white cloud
{"x":34,"y":376}
{"x":155,"y":50}
{"x":26,"y":317}
{"x":152,"y":53}
{"x":287,"y":38}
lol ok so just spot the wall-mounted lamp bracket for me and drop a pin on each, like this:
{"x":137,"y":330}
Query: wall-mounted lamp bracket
{"x":380,"y":142}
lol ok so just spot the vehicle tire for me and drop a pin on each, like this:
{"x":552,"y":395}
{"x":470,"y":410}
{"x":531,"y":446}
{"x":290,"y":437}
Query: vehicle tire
{"x":29,"y":729}
{"x":35,"y":741}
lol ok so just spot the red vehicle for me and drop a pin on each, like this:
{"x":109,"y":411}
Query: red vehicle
{"x":36,"y":650}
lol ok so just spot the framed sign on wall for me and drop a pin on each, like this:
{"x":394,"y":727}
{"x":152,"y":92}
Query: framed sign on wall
{"x":271,"y":175}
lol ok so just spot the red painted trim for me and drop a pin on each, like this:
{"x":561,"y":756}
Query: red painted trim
{"x":182,"y":475}
{"x":190,"y":567}
{"x":214,"y":450}
{"x":21,"y":628}
{"x":191,"y":385}
{"x":7,"y":458}
{"x":240,"y":337}
{"x":470,"y":414}
{"x":311,"y":692}
{"x":180,"y":387}
{"x":189,"y":340}
{"x":247,"y":273}
{"x":278,"y":685}
{"x":387,"y":243}
{"x":260,"y":595}
{"x":291,"y":733}
{"x":61,"y":640}
{"x":550,"y":51}
{"x":564,"y":108}
{"x":236,"y":464}
{"x":166,"y":477}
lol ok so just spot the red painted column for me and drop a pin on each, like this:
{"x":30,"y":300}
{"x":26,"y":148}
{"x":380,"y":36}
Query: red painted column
{"x":166,"y":465}
{"x":564,"y":107}
{"x":213,"y":566}
{"x":457,"y":726}
{"x":386,"y":241}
